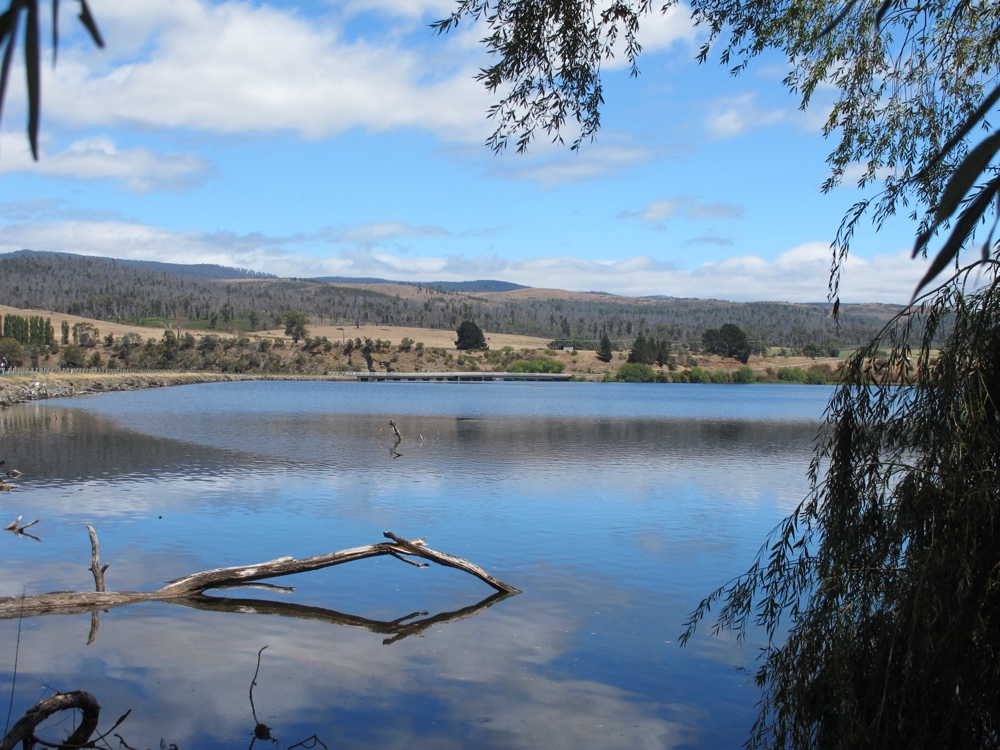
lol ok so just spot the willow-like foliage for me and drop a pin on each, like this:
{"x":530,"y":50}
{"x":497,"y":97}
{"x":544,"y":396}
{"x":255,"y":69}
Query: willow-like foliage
{"x":9,"y":21}
{"x":887,"y":575}
{"x":914,"y":86}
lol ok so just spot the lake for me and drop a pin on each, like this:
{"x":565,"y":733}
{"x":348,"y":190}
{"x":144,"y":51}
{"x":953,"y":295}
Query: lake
{"x":614,"y":507}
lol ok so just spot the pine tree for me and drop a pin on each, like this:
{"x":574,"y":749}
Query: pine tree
{"x":604,"y":352}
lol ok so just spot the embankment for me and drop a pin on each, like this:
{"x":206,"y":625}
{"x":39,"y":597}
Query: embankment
{"x":16,"y":389}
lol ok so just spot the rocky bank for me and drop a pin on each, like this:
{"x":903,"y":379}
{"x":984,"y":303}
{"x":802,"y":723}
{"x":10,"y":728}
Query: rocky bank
{"x":16,"y":389}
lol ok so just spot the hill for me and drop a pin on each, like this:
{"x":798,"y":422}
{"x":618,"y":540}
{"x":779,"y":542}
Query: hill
{"x":197,"y":270}
{"x":216,"y":298}
{"x":480,"y":285}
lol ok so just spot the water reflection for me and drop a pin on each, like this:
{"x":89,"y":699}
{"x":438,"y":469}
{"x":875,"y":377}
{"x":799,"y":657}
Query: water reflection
{"x":614,"y":510}
{"x":71,"y":445}
{"x":438,"y":691}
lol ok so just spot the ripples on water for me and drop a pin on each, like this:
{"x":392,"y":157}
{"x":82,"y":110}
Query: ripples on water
{"x":615,"y":508}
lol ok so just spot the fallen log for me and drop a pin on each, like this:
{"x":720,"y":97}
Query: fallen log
{"x":70,"y":602}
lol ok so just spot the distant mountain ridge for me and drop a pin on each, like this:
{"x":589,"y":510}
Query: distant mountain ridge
{"x":195,"y":270}
{"x":479,"y":285}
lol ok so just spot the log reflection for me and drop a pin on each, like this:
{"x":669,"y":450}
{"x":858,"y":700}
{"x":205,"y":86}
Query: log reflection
{"x":400,"y":628}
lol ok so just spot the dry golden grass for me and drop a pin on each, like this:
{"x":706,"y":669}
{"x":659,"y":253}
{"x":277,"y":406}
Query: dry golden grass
{"x":583,"y":363}
{"x":431,"y":337}
{"x":442,"y":339}
{"x":103,"y":326}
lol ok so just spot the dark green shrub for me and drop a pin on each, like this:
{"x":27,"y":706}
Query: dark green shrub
{"x":11,"y":349}
{"x":635,"y":372}
{"x":816,"y":376}
{"x":792,"y":375}
{"x":699,"y":375}
{"x":72,"y":356}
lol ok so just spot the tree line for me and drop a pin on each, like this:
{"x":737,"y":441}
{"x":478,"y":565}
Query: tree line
{"x":106,"y":289}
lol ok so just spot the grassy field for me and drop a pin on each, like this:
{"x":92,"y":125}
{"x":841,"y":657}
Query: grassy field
{"x":438,"y":351}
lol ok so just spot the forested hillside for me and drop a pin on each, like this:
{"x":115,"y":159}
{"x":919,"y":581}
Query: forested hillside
{"x":211,"y":297}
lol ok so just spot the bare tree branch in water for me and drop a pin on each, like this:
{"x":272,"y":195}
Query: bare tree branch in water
{"x":90,"y":714}
{"x":192,"y":587}
{"x":20,"y":530}
{"x":399,"y":439}
{"x":262,"y":731}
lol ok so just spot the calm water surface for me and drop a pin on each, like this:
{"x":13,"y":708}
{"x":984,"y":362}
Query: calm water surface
{"x":614,"y":507}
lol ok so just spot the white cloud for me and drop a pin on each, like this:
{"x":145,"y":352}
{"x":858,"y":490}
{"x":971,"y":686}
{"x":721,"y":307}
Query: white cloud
{"x":662,"y":30}
{"x":551,"y":165}
{"x":368,"y":234}
{"x":97,"y":158}
{"x":658,"y":31}
{"x":660,"y":211}
{"x":731,"y":116}
{"x":855,"y":171}
{"x":406,"y":8}
{"x":138,"y":241}
{"x":800,"y":274}
{"x":235,"y":67}
{"x":709,"y":239}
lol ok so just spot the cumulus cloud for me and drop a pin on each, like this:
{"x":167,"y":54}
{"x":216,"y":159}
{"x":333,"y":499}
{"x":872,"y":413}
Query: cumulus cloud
{"x":122,"y":239}
{"x":99,"y":158}
{"x":659,"y":31}
{"x":731,"y":116}
{"x":405,"y":8}
{"x":800,"y":274}
{"x":235,"y":67}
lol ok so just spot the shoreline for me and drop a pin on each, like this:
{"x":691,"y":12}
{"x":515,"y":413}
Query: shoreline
{"x":21,"y":389}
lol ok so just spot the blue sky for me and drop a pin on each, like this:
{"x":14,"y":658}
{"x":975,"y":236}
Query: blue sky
{"x":346,"y":138}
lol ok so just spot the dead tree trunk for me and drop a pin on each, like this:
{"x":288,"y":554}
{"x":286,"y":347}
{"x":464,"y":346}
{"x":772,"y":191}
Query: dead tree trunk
{"x":68,"y":602}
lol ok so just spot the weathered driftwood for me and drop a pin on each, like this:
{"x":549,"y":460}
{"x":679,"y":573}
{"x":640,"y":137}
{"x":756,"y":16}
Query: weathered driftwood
{"x":95,"y":560}
{"x":15,"y":527}
{"x":70,"y":602}
{"x":24,"y":729}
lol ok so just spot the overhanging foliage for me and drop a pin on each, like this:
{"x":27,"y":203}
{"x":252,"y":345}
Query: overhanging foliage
{"x":887,"y":575}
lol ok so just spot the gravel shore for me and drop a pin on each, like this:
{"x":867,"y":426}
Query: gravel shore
{"x":17,"y":389}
